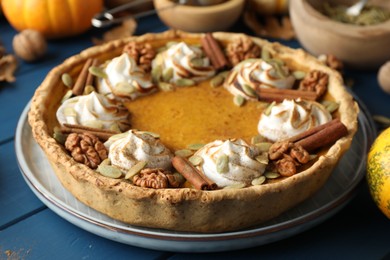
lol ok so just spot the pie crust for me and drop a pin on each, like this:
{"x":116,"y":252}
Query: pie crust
{"x":184,"y":209}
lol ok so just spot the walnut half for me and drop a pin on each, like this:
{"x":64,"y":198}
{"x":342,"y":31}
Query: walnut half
{"x":86,"y":148}
{"x":156,"y":178}
{"x":241,"y":49}
{"x":316,"y":81}
{"x":142,"y":53}
{"x":287,"y":156}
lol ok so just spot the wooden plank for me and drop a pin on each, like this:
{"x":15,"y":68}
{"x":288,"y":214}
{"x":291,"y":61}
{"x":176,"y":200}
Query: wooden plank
{"x":16,"y":198}
{"x":48,"y":236}
{"x":14,"y":98}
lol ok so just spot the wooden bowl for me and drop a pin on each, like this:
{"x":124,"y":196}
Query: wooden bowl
{"x":361,"y":47}
{"x":218,"y":17}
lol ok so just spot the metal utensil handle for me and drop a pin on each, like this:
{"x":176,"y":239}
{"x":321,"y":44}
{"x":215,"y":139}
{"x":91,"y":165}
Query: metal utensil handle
{"x":107,"y":18}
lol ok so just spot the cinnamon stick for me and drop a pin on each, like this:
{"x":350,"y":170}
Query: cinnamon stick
{"x":79,"y":86}
{"x":321,"y":135}
{"x":278,"y":95}
{"x":214,"y":52}
{"x":102,"y":134}
{"x":193,"y":175}
{"x":91,"y":77}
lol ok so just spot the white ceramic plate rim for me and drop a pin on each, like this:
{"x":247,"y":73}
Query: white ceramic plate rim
{"x":185,"y":241}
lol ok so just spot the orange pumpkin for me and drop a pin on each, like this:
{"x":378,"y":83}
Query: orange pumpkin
{"x":53,"y":18}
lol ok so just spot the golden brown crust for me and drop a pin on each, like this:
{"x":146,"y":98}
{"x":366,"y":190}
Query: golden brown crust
{"x":185,"y":209}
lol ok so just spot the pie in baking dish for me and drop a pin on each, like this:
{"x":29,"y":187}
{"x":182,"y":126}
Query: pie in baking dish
{"x":193,"y":132}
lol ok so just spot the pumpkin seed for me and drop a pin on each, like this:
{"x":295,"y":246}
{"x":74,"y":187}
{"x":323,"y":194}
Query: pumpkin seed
{"x":118,"y":136}
{"x":162,"y":49}
{"x":331,"y":106}
{"x":280,"y":62}
{"x":265,"y":54}
{"x":239,"y":185}
{"x":222,"y":163}
{"x":97,"y":71}
{"x":67,"y":80}
{"x":115,"y":127}
{"x":250,"y":60}
{"x":195,"y":146}
{"x":184,"y":153}
{"x":262,"y":105}
{"x":163,"y":86}
{"x":88,"y":89}
{"x":224,"y":74}
{"x":271,"y":175}
{"x":106,"y":161}
{"x":312,"y":156}
{"x":70,"y":111}
{"x":94,"y":124}
{"x":385,"y":121}
{"x":109,"y":171}
{"x":298,"y":75}
{"x":279,"y":70}
{"x":135,"y":169}
{"x":154,"y":135}
{"x":196,"y":160}
{"x":124,"y":88}
{"x":185,"y":82}
{"x":263,"y":146}
{"x":262,"y":158}
{"x":268,"y":110}
{"x":156,"y":73}
{"x":67,"y":95}
{"x":258,"y":181}
{"x":59,"y":136}
{"x":239,"y":100}
{"x":257,"y":139}
{"x":167,"y":74}
{"x":249,"y":91}
{"x":197,"y":62}
{"x":231,"y":76}
{"x":179,"y":178}
{"x":217,"y":81}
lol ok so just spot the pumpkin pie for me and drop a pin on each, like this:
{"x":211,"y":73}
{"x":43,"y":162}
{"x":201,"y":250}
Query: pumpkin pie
{"x":193,"y":132}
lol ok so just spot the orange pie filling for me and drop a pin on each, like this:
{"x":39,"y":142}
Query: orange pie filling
{"x":207,"y":115}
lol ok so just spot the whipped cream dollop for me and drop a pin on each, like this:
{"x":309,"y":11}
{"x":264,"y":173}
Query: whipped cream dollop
{"x":94,"y":110}
{"x":125,"y":80}
{"x":292,"y":117}
{"x":126,"y":149}
{"x":185,"y":61}
{"x":239,"y":165}
{"x":253,"y":73}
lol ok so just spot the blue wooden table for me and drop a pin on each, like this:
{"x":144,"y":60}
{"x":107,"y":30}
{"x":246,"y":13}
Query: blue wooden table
{"x":30,"y":230}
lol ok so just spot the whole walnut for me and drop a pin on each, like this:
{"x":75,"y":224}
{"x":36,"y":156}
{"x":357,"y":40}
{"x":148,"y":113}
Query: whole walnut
{"x":29,"y":45}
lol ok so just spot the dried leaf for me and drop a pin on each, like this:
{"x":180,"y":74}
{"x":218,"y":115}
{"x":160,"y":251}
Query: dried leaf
{"x":8,"y":65}
{"x":126,"y":29}
{"x":271,"y":27}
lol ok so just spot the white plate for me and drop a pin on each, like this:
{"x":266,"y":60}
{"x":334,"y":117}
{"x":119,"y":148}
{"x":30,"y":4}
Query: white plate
{"x":338,"y":190}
